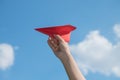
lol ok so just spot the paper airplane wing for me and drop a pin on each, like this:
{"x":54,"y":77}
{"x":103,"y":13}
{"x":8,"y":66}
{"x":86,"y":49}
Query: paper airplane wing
{"x":64,"y":31}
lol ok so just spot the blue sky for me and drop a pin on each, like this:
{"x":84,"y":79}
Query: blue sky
{"x":32,"y":59}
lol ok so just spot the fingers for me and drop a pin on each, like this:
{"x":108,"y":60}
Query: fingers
{"x":59,"y":38}
{"x":53,"y":44}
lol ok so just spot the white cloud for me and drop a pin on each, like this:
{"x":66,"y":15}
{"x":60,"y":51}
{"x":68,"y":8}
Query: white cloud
{"x":97,"y":54}
{"x":6,"y":56}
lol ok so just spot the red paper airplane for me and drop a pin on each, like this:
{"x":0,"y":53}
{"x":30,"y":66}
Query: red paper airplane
{"x":64,"y":31}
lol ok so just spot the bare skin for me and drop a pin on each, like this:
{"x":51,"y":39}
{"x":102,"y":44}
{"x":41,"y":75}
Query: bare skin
{"x":61,"y":50}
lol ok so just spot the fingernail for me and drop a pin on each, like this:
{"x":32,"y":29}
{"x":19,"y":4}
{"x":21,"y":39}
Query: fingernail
{"x":50,"y":38}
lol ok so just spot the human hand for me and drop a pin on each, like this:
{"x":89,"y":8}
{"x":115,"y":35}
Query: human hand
{"x":59,"y":47}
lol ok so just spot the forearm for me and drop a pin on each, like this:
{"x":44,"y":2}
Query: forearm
{"x":72,"y":68}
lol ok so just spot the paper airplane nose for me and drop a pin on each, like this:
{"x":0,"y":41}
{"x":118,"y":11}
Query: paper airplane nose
{"x":64,"y":31}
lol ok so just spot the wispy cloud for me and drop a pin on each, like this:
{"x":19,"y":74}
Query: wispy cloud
{"x":117,"y":30}
{"x":97,"y":54}
{"x":6,"y":56}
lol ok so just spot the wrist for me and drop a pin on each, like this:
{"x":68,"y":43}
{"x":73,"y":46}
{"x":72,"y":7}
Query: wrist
{"x":66,"y":58}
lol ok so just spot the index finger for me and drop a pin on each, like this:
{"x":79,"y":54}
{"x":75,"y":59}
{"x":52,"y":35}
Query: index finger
{"x":59,"y":38}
